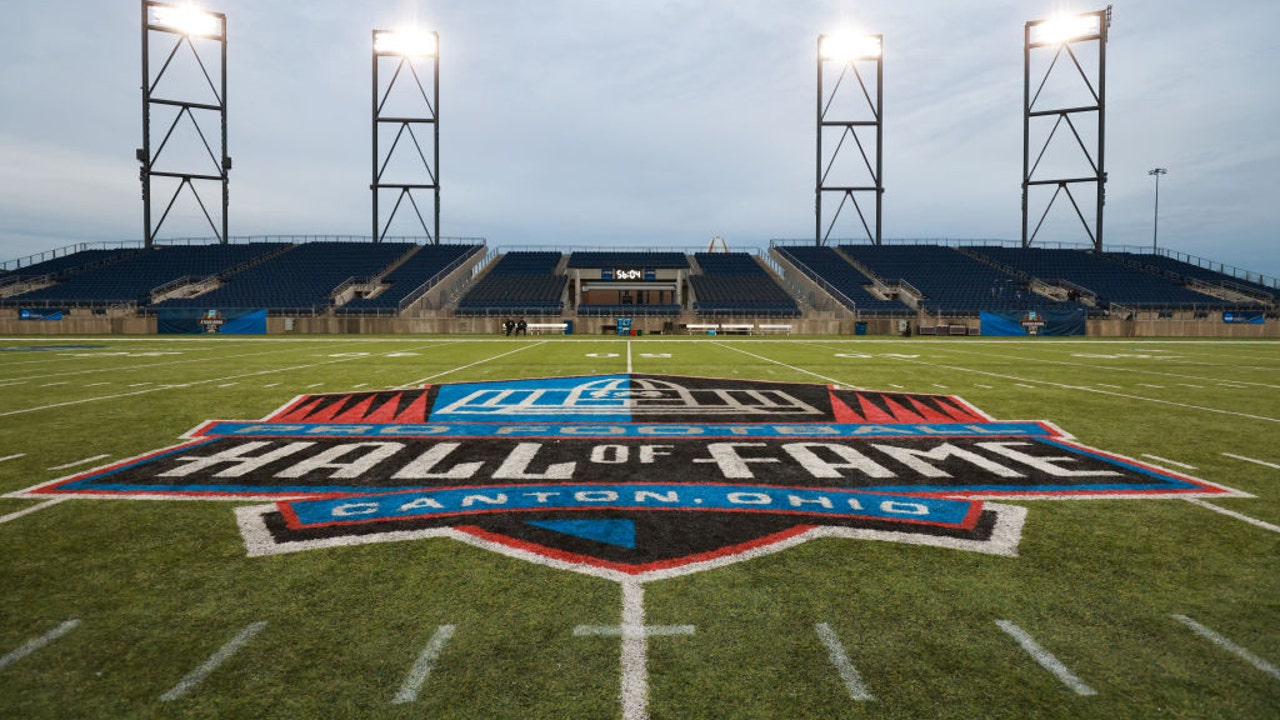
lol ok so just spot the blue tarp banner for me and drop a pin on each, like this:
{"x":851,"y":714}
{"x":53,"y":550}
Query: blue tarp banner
{"x":1242,"y":318}
{"x":211,"y":321}
{"x":1033,"y":322}
{"x":41,"y":313}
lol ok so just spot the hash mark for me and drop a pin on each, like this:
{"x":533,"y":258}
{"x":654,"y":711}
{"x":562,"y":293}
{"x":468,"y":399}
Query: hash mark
{"x":1046,"y":659}
{"x":421,"y":669}
{"x":188,"y":683}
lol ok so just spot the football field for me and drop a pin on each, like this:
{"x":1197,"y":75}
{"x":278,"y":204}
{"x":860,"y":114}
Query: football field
{"x":966,"y":528}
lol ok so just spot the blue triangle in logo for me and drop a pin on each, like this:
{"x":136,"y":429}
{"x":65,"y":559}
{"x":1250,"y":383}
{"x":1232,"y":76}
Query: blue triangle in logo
{"x":614,"y":532}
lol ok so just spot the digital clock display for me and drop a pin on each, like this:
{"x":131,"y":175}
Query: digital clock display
{"x":628,"y":274}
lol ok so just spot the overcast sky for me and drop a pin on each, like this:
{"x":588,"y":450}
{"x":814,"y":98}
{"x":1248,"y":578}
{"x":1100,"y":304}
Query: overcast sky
{"x":645,"y":123}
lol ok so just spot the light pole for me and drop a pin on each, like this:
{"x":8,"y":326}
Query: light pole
{"x":1155,"y":225}
{"x":404,"y":46}
{"x":848,"y":51}
{"x":184,"y":24}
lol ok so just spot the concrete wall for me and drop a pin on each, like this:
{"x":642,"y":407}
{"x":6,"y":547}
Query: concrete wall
{"x":78,"y":323}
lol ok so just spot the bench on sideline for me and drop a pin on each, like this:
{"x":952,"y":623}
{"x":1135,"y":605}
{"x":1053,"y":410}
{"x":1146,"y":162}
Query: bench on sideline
{"x":737,"y":328}
{"x":539,"y":328}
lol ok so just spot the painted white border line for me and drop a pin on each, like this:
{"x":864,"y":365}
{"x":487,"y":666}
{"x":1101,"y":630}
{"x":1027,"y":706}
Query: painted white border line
{"x":35,"y":644}
{"x":1263,"y":463}
{"x":188,"y":683}
{"x":80,"y":462}
{"x":34,"y":508}
{"x":421,"y":669}
{"x":1167,"y":461}
{"x":1046,"y":659}
{"x":425,"y":380}
{"x":1229,"y":646}
{"x":1231,"y":513}
{"x":848,"y":673}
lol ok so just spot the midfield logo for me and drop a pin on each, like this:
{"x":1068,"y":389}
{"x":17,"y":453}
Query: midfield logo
{"x":629,"y":476}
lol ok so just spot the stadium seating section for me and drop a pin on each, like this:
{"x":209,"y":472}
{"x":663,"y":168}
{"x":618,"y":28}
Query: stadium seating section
{"x":520,"y":283}
{"x":1114,"y":282}
{"x":131,"y":277}
{"x":827,"y":266}
{"x":302,"y":279}
{"x":1179,"y":270}
{"x":952,"y":283}
{"x":624,"y":259}
{"x":884,"y":280}
{"x":735,"y":284}
{"x":415,"y":273}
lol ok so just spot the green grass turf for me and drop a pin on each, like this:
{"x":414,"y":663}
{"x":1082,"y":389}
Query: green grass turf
{"x":159,"y":586}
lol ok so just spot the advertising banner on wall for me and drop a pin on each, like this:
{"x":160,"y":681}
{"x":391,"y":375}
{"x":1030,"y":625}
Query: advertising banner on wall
{"x":41,"y":313}
{"x":1033,"y":322}
{"x":1242,"y":318}
{"x":212,"y":321}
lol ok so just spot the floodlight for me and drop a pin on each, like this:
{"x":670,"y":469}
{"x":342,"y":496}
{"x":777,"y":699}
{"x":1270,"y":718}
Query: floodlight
{"x":1062,"y":29}
{"x":408,"y":42}
{"x":187,"y":20}
{"x":847,"y":48}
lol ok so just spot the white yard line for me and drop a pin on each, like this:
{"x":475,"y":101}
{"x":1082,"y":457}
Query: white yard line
{"x":12,"y":457}
{"x":193,"y":383}
{"x":1108,"y":368}
{"x":1085,"y":388}
{"x":421,"y":669}
{"x":848,"y":673}
{"x":188,"y":683}
{"x":1229,"y":646}
{"x":635,"y":645}
{"x":779,"y":362}
{"x":80,"y":462}
{"x":1113,"y":387}
{"x":1231,"y":513}
{"x":129,"y":368}
{"x":35,"y":644}
{"x":33,"y":508}
{"x":1046,"y":659}
{"x":1264,"y":463}
{"x":1167,"y":461}
{"x":628,"y":357}
{"x":429,"y":378}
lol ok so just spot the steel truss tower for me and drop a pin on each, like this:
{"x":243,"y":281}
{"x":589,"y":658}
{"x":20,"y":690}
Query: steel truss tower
{"x":849,"y":53}
{"x":160,"y":20}
{"x":1064,"y":36}
{"x":405,"y":49}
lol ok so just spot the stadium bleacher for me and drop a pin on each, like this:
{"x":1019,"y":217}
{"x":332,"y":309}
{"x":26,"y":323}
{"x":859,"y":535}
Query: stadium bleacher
{"x":132,"y":277}
{"x":411,"y":276}
{"x":735,"y":284}
{"x":952,"y":282}
{"x":70,"y":263}
{"x":520,"y":283}
{"x":826,"y":265}
{"x":301,"y":279}
{"x":1177,"y":270}
{"x":1113,"y":282}
{"x":628,"y":259}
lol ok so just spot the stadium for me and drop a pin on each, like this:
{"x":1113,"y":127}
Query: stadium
{"x":831,"y":474}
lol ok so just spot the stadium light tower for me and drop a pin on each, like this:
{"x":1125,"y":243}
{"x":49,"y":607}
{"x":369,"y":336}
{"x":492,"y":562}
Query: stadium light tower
{"x":849,"y":51}
{"x":1062,"y":35}
{"x":1155,"y":224}
{"x":184,"y":23}
{"x":405,"y":46}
